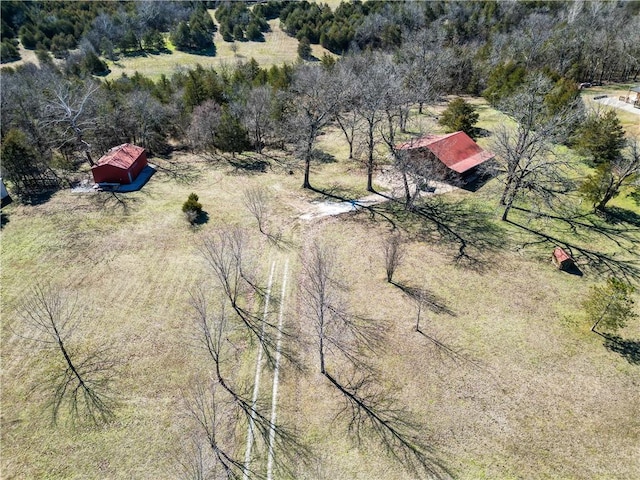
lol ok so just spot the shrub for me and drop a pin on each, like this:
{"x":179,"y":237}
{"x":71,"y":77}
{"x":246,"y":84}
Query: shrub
{"x":9,"y":52}
{"x":192,"y":208}
{"x":304,"y":48}
{"x":459,"y":115}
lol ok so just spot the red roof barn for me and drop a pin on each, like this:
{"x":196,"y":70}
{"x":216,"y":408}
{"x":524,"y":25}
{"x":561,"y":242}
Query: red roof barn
{"x":121,"y":164}
{"x":457,"y":151}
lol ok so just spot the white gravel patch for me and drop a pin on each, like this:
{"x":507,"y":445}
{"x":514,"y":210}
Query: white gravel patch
{"x":615,"y":103}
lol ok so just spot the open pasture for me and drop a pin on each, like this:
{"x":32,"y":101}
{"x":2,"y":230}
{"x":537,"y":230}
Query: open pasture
{"x":505,"y":379}
{"x":277,"y":48}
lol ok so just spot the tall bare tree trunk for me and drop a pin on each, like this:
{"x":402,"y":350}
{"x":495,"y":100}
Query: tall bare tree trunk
{"x":370,"y":160}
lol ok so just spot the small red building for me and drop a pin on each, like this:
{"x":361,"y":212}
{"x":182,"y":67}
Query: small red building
{"x":456,"y":151}
{"x":121,"y":164}
{"x":562,"y":259}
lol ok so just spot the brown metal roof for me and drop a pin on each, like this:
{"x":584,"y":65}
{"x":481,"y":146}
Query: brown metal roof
{"x":456,"y":150}
{"x":561,"y":256}
{"x":122,"y":156}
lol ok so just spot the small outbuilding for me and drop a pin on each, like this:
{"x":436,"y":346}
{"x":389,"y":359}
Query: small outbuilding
{"x":632,"y":96}
{"x":562,"y":259}
{"x":456,"y":151}
{"x":121,"y":164}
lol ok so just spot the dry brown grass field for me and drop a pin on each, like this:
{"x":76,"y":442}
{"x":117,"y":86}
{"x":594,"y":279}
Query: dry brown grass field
{"x":505,"y":380}
{"x":277,"y":48}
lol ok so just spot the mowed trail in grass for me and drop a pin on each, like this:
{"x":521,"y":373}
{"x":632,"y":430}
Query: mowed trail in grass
{"x":522,"y":389}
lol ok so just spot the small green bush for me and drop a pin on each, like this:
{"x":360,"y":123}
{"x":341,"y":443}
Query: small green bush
{"x":192,"y":208}
{"x":304,"y":48}
{"x":460,"y":116}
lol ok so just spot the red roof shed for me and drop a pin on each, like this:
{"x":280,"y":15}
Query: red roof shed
{"x":121,"y":164}
{"x":562,"y":259}
{"x":457,"y":151}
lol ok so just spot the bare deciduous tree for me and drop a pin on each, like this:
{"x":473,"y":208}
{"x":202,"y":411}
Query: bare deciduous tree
{"x":147,"y":120}
{"x":370,"y":410}
{"x":204,"y":124}
{"x":81,"y":382}
{"x":22,"y":103}
{"x":346,"y":114}
{"x":338,"y":332}
{"x":226,"y":254}
{"x":527,"y":154}
{"x":422,"y":67}
{"x":256,"y":114}
{"x":393,"y":255}
{"x":315,"y":98}
{"x":214,"y":333}
{"x":212,"y":454}
{"x":377,"y":82}
{"x":256,"y":200}
{"x":69,"y":110}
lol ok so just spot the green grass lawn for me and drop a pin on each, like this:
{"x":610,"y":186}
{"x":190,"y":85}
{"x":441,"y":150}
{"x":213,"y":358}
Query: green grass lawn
{"x":630,"y":121}
{"x":506,"y":380}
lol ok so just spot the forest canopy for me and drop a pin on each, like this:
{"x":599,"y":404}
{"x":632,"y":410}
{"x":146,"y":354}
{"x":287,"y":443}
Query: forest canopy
{"x":419,"y":51}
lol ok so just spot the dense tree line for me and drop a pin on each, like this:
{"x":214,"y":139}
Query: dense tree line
{"x":106,"y":28}
{"x":54,"y":120}
{"x":493,"y":43}
{"x":61,"y":117}
{"x":596,"y":41}
{"x":237,"y":22}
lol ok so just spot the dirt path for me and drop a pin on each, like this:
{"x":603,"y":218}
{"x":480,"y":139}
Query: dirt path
{"x":393,"y":189}
{"x":327,"y":208}
{"x":276,"y":374}
{"x":612,"y":101}
{"x":256,"y":381}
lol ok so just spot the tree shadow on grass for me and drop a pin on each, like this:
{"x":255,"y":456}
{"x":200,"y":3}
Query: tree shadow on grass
{"x":620,"y":233}
{"x":457,"y":356}
{"x":628,"y":349}
{"x":248,"y":164}
{"x":4,"y":219}
{"x":322,"y":157}
{"x":372,"y":412}
{"x":616,"y":215}
{"x":179,"y":171}
{"x":39,"y":198}
{"x":480,"y":133}
{"x":202,"y":218}
{"x":115,"y":202}
{"x":426,"y":298}
{"x":134,"y":54}
{"x":204,"y":52}
{"x":374,"y":210}
{"x":473,"y":232}
{"x":600,"y":262}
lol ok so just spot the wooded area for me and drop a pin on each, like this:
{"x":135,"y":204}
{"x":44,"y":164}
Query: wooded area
{"x":437,"y":49}
{"x":416,"y":335}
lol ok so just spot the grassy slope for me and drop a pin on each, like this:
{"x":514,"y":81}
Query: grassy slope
{"x":278,"y":48}
{"x":532,"y":392}
{"x":629,"y":121}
